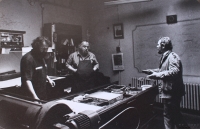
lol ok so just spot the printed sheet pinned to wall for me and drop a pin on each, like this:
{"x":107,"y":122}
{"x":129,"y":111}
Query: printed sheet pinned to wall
{"x":185,"y":38}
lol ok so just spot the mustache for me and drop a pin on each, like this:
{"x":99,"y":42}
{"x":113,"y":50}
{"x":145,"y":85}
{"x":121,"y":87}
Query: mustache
{"x":85,"y":50}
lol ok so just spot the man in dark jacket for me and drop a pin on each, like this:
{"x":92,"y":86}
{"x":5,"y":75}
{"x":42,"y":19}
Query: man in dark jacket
{"x":171,"y":87}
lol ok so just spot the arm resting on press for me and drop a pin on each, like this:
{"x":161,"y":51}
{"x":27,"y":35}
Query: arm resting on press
{"x":50,"y":81}
{"x":31,"y":89}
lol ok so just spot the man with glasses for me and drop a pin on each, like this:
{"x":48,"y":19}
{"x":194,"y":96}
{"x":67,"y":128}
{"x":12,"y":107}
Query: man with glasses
{"x":171,"y":85}
{"x":83,"y":64}
{"x":34,"y":70}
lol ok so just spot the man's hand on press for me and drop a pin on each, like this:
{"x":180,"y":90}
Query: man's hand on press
{"x":52,"y":82}
{"x":75,"y":70}
{"x":36,"y":100}
{"x":95,"y":69}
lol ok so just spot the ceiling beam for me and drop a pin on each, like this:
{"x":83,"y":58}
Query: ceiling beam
{"x":117,"y":2}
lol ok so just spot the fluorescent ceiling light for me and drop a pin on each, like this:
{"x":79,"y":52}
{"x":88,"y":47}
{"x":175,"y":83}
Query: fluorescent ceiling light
{"x":124,"y":2}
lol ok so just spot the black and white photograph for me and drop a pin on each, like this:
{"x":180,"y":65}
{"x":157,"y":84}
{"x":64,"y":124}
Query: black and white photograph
{"x":118,"y":31}
{"x":99,"y":64}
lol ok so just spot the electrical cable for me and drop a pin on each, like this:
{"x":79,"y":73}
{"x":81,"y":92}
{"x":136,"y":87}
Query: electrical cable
{"x":119,"y":77}
{"x":120,"y":114}
{"x":118,"y":21}
{"x":42,"y":13}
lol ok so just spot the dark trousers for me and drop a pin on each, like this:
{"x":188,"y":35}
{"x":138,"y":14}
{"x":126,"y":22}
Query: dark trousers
{"x":172,"y":114}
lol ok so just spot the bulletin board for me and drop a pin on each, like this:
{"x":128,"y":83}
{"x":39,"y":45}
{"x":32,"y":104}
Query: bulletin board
{"x":185,"y":37}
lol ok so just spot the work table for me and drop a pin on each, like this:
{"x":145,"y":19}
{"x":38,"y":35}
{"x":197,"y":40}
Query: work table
{"x":17,"y":81}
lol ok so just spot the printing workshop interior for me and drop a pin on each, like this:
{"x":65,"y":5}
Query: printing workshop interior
{"x":99,"y":64}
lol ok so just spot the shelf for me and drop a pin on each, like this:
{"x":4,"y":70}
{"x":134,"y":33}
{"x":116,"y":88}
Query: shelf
{"x":11,"y":38}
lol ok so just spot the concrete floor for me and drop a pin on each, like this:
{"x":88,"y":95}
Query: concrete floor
{"x":193,"y":120}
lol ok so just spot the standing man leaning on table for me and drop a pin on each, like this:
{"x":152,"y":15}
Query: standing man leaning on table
{"x":84,"y":65}
{"x":171,"y":87}
{"x":34,"y":70}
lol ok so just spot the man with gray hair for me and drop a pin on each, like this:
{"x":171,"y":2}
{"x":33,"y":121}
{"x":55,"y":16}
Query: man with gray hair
{"x":171,"y":87}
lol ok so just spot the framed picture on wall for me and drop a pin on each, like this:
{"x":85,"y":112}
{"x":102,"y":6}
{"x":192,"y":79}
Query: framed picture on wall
{"x":118,"y":31}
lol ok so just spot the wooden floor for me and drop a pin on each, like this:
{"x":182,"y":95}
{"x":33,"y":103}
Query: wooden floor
{"x":157,"y":122}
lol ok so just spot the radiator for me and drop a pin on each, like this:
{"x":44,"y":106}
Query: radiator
{"x":137,"y":82}
{"x":191,"y":99}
